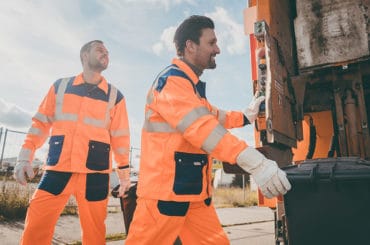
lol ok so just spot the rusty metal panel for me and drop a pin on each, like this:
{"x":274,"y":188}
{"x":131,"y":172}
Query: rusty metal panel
{"x":276,"y":64}
{"x":280,"y":100}
{"x":282,"y":29}
{"x":331,"y":32}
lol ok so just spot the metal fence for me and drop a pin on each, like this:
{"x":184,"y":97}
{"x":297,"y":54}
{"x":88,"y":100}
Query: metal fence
{"x":11,"y":142}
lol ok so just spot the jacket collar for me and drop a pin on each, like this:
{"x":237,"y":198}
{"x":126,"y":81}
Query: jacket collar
{"x":103,"y":85}
{"x":187,"y":69}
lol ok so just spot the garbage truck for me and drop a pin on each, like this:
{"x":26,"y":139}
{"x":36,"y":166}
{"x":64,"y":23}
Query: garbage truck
{"x":311,"y":61}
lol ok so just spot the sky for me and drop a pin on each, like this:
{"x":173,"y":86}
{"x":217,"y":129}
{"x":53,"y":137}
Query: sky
{"x":41,"y":40}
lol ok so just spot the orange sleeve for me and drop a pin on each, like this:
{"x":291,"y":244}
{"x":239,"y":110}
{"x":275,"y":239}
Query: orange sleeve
{"x":41,"y":122}
{"x":120,"y":134}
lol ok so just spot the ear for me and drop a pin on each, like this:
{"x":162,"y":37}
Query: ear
{"x":190,"y":46}
{"x":84,"y":56}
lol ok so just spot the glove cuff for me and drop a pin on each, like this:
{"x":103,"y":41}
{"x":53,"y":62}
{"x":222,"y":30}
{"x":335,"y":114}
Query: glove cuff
{"x":250,"y":159}
{"x":25,"y":155}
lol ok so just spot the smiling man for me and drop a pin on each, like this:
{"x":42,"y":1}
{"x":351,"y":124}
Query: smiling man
{"x":181,"y":132}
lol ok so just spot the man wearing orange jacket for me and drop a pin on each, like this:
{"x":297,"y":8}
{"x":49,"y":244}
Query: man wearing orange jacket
{"x":181,"y":131}
{"x":86,"y":119}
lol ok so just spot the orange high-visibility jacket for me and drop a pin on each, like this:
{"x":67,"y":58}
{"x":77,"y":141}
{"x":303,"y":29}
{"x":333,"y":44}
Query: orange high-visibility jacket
{"x":181,"y":130}
{"x":85,"y":122}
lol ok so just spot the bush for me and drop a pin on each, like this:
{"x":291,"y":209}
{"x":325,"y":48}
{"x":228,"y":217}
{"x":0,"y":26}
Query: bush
{"x":14,"y":200}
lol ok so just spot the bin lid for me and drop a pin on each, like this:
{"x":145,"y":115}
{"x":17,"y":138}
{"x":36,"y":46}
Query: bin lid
{"x":334,"y":169}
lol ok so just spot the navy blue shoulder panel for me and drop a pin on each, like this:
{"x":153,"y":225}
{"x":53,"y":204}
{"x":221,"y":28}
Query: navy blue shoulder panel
{"x":91,"y":91}
{"x":201,"y":88}
{"x":162,"y":79}
{"x":57,"y":83}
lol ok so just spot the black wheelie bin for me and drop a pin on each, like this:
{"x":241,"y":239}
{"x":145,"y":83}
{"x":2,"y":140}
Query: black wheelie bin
{"x":128,"y":204}
{"x":329,"y":202}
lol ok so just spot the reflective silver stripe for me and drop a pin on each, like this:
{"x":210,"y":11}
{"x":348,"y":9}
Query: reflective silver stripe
{"x":59,"y":115}
{"x":148,"y":113}
{"x":104,"y":123}
{"x":25,"y":155}
{"x":213,"y":138}
{"x":119,"y":132}
{"x":191,"y":117}
{"x":35,"y":131}
{"x":164,"y":127}
{"x":111,"y":103}
{"x":94,"y":122}
{"x":222,"y":116}
{"x":149,"y":97}
{"x":43,"y":118}
{"x":158,"y":127}
{"x":122,"y":150}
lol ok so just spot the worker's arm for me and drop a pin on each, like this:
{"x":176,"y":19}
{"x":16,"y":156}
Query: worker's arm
{"x":120,"y":142}
{"x":35,"y":138}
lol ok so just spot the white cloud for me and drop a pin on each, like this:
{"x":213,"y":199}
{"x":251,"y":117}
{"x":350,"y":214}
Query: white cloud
{"x":38,"y":47}
{"x":230,"y":34}
{"x":165,"y":42}
{"x":157,"y":48}
{"x":12,"y":116}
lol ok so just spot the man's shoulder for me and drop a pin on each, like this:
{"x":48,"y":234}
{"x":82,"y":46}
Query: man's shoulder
{"x":173,"y":70}
{"x":65,"y":80}
{"x":113,"y":87}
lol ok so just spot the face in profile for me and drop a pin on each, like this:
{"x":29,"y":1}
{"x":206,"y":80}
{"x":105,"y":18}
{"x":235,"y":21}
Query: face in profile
{"x":207,"y":49}
{"x":98,"y":57}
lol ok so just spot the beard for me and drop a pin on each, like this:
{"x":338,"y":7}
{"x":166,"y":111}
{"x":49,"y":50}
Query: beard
{"x":97,"y":65}
{"x":212,"y":63}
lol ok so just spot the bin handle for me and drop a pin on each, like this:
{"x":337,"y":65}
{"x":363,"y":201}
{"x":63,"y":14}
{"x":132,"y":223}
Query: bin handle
{"x":332,"y":172}
{"x":313,"y":173}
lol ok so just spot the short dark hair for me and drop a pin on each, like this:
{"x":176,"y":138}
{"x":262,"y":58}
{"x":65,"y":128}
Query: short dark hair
{"x":191,"y":29}
{"x":87,"y":46}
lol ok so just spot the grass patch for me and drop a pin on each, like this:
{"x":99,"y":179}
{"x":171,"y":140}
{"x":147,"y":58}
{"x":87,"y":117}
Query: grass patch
{"x":234,"y":197}
{"x":108,"y":238}
{"x":115,"y":237}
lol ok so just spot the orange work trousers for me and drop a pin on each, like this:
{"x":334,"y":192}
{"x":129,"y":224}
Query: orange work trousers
{"x":160,"y":223}
{"x":50,"y":198}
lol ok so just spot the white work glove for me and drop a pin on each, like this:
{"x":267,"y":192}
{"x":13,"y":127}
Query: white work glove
{"x":271,"y":180}
{"x":22,"y":168}
{"x":253,"y":108}
{"x":124,"y":181}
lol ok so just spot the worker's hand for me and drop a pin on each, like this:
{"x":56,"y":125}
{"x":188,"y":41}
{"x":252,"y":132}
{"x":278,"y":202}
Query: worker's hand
{"x":20,"y":170}
{"x":271,"y":180}
{"x":253,"y":108}
{"x":124,"y":181}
